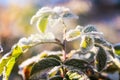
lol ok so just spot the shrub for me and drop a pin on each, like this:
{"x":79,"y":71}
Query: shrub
{"x":95,"y":54}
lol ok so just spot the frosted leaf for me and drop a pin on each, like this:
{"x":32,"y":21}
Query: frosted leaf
{"x":61,"y":10}
{"x":80,"y":28}
{"x":36,"y":38}
{"x":89,"y":28}
{"x":64,"y":12}
{"x":87,"y":43}
{"x":55,"y":13}
{"x":73,"y":34}
{"x":45,"y":11}
{"x":23,"y":41}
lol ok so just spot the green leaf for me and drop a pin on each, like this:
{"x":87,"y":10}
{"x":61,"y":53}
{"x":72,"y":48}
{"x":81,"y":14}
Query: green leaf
{"x":17,"y":50}
{"x":89,"y":28}
{"x":117,"y":49}
{"x":101,"y":59}
{"x":57,"y":77}
{"x":42,"y":23}
{"x":6,"y":59}
{"x":76,"y":63}
{"x":86,"y":44}
{"x":8,"y":68}
{"x":3,"y":63}
{"x":44,"y":64}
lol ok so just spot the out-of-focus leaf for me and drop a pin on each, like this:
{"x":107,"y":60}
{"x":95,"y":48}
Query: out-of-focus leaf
{"x":42,"y":23}
{"x":89,"y":28}
{"x":75,"y":75}
{"x":117,"y":49}
{"x":8,"y":68}
{"x":101,"y":59}
{"x":44,"y":64}
{"x":7,"y":62}
{"x":57,"y":77}
{"x":76,"y":63}
{"x":86,"y":44}
{"x":73,"y":34}
{"x":17,"y":50}
{"x":25,"y":71}
{"x":3,"y":63}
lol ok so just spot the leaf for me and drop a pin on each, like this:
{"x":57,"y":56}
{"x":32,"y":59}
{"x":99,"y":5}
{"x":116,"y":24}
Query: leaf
{"x":33,"y":19}
{"x":8,"y":60}
{"x":86,"y":44}
{"x":112,"y":53}
{"x":89,"y":28}
{"x":44,"y":64}
{"x":73,"y":34}
{"x":17,"y":51}
{"x":41,"y":12}
{"x":53,"y":71}
{"x":25,"y":71}
{"x":42,"y":23}
{"x":80,"y":28}
{"x":101,"y":59}
{"x":76,"y":63}
{"x":3,"y":63}
{"x":70,"y":15}
{"x":75,"y":75}
{"x":103,"y":42}
{"x":117,"y":49}
{"x":26,"y":66}
{"x":57,"y":77}
{"x":54,"y":56}
{"x":36,"y":39}
{"x":8,"y":68}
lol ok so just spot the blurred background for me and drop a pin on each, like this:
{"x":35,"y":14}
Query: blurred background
{"x":15,"y":18}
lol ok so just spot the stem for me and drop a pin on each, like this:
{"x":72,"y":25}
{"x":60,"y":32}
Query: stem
{"x":64,"y":50}
{"x":62,"y":72}
{"x":64,"y":40}
{"x":56,"y":42}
